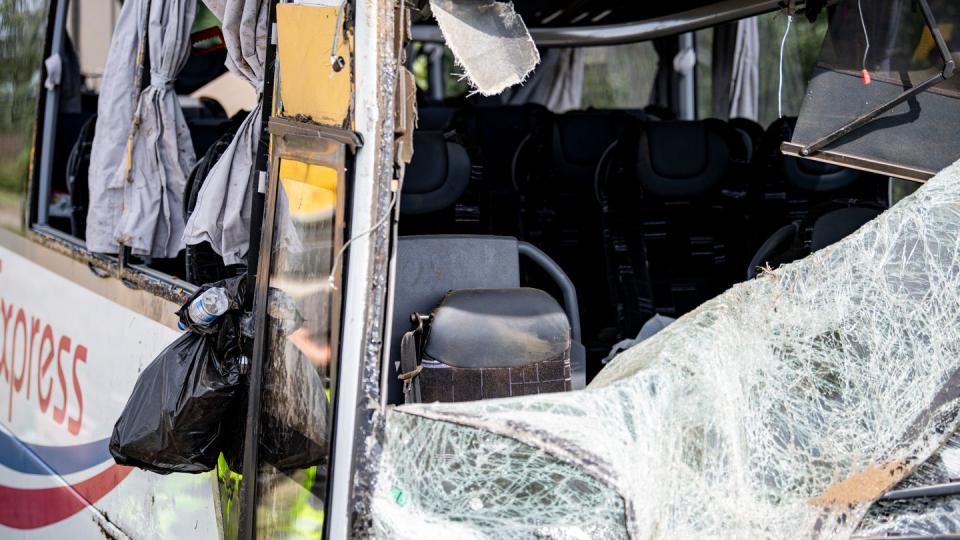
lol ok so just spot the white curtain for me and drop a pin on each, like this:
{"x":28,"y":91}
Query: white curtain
{"x":142,"y":152}
{"x":734,"y":70}
{"x":745,"y":79}
{"x":222,"y":214}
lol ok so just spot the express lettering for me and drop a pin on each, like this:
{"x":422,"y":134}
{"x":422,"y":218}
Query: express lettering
{"x":29,"y":346}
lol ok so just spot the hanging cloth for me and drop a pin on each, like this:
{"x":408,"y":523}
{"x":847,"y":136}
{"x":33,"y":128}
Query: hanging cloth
{"x":745,"y":77}
{"x":735,"y":75}
{"x":223,"y":211}
{"x":142,"y":151}
{"x":665,"y":80}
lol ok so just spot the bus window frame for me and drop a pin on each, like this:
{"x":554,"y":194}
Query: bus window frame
{"x":135,"y":276}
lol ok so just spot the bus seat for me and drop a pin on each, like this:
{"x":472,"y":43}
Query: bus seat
{"x":435,"y":183}
{"x":752,"y":130}
{"x":680,"y":227}
{"x":562,"y":216}
{"x":806,"y":174}
{"x":791,"y":188}
{"x":817,"y":176}
{"x":681,"y":160}
{"x":502,"y":141}
{"x":580,"y":139}
{"x":428,"y":267}
{"x":795,"y":241}
{"x":834,"y":226}
{"x":435,"y":118}
{"x":492,"y":343}
{"x":436,"y":177}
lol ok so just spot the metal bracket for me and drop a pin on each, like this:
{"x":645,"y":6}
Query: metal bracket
{"x":280,"y":125}
{"x":948,"y":69}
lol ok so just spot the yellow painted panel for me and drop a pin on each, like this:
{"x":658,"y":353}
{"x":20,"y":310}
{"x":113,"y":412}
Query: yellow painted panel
{"x":311,"y":189}
{"x":309,"y":84}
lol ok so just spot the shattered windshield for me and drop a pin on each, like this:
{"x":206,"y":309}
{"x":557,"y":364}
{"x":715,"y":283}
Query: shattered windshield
{"x":785,"y":407}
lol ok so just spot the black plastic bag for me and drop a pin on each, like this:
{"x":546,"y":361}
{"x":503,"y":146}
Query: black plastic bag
{"x":181,"y":412}
{"x":172,"y":421}
{"x":293,"y":415}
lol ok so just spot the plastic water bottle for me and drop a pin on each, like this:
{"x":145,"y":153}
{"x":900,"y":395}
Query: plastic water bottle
{"x":207,"y":307}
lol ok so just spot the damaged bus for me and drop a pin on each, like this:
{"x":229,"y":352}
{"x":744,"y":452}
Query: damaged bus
{"x":554,"y":269}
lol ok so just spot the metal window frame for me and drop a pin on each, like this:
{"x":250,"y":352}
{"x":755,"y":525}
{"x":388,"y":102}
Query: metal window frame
{"x":620,"y":34}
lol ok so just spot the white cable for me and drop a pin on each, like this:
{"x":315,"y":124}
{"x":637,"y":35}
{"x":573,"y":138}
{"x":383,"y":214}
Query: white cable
{"x":866,"y":37}
{"x":597,"y":173}
{"x":331,"y":279}
{"x":513,"y":162}
{"x":783,"y":42}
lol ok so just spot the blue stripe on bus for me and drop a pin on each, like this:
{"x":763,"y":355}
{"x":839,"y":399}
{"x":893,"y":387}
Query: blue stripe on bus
{"x":38,"y":459}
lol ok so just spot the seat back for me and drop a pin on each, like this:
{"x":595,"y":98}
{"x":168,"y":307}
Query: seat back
{"x":494,"y":343}
{"x":679,"y":224}
{"x":791,"y":188}
{"x":563,"y":218}
{"x":827,"y":224}
{"x":437,"y":175}
{"x":434,"y":182}
{"x":430,"y":266}
{"x":501,"y":141}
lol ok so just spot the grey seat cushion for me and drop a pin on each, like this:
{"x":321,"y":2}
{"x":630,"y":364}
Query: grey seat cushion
{"x":497,"y":328}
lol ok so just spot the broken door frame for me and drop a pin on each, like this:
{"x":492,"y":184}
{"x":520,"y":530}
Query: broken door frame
{"x":365,"y":264}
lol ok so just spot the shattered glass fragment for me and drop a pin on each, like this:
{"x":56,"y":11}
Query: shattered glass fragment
{"x":923,"y":515}
{"x":782,"y":408}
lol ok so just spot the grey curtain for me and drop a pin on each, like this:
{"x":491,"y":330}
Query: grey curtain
{"x":745,"y":79}
{"x":222,"y":214}
{"x":108,"y":155}
{"x":665,"y":81}
{"x":736,"y":80}
{"x":142,"y":152}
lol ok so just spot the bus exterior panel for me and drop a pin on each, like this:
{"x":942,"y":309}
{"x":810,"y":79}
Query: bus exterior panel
{"x":71,"y":348}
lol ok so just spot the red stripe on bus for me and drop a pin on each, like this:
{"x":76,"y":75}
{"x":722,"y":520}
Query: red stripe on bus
{"x":33,"y":508}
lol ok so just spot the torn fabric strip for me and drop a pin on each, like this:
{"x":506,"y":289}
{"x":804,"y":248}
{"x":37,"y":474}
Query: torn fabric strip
{"x":489,"y":40}
{"x":781,"y":409}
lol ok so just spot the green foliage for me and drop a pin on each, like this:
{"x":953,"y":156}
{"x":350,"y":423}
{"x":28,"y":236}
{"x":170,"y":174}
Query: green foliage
{"x":22,"y":27}
{"x":21,"y":47}
{"x":14,"y":171}
{"x":799,"y":58}
{"x":620,"y":76}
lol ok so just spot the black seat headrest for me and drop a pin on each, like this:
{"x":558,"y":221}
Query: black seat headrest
{"x":437,"y":175}
{"x":838,"y":224}
{"x":580,"y":139}
{"x":753,"y":129}
{"x":435,"y":118}
{"x":681,"y":159}
{"x":497,"y":328}
{"x":817,"y":176}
